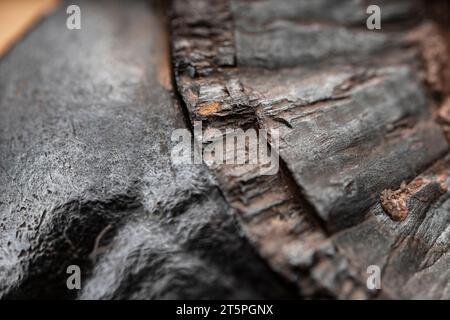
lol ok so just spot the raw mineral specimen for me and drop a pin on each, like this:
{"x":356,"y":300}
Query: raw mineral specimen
{"x":86,"y":178}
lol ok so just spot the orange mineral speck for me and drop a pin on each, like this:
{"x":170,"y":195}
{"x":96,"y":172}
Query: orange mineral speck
{"x":208,"y":108}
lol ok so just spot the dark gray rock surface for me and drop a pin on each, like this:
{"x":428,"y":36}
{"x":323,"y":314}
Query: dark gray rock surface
{"x":273,"y":34}
{"x":359,"y":141}
{"x":86,"y":118}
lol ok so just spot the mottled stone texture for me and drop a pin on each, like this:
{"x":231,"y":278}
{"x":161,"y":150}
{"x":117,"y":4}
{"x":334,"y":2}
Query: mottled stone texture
{"x":86,"y":178}
{"x":356,"y":119}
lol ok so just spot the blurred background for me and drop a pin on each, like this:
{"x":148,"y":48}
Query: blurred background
{"x":17,"y":16}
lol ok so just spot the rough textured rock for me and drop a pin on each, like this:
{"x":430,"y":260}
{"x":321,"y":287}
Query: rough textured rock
{"x":86,"y":177}
{"x":356,"y":118}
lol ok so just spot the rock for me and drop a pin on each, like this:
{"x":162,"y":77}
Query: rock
{"x":354,"y":116}
{"x":86,"y":177}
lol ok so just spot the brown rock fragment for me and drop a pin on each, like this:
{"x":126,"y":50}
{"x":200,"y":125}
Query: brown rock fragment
{"x":395,"y":202}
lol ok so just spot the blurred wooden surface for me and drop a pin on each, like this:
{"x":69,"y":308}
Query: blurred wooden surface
{"x":17,"y":16}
